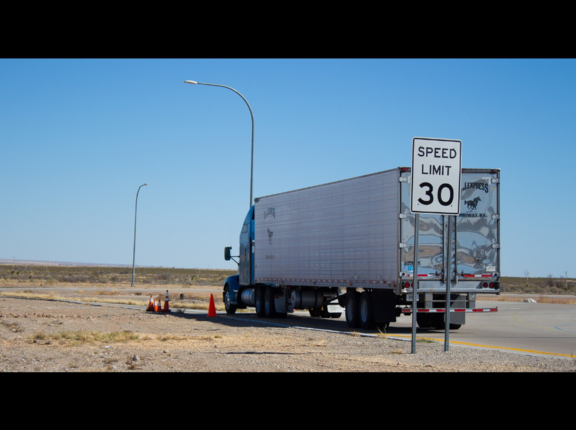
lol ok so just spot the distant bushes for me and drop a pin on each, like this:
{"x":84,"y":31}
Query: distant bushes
{"x":50,"y":275}
{"x":548,"y":285}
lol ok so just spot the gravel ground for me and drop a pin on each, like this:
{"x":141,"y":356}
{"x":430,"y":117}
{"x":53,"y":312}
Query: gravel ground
{"x":58,"y":336}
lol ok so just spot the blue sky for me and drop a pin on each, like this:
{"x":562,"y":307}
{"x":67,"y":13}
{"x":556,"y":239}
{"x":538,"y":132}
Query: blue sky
{"x":79,"y":136}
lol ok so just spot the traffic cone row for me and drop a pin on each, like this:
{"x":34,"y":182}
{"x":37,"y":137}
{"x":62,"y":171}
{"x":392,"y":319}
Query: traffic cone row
{"x":156,"y":306}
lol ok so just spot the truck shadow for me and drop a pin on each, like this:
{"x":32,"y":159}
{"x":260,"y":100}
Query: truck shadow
{"x":252,"y":320}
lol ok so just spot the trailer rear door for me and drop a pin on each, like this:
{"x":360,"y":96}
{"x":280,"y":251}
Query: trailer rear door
{"x":476,"y":234}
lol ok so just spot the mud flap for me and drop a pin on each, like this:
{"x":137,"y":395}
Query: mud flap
{"x":458,"y":303}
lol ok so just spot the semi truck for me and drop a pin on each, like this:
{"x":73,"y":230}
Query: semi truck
{"x":348,"y":247}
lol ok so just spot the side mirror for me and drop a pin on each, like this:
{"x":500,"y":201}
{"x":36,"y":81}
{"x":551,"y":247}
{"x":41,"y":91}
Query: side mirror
{"x":227,"y":253}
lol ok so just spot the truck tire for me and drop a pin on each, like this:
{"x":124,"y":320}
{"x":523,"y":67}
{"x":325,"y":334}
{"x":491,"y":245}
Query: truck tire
{"x":230,"y":308}
{"x":353,"y":309}
{"x":269,"y":307}
{"x":259,"y":299}
{"x":366,"y":315}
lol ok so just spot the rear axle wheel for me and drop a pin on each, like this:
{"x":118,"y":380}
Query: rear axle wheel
{"x":366,"y":315}
{"x":353,"y":309}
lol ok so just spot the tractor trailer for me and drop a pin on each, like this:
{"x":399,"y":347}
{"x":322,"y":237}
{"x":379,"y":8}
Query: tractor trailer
{"x":348,"y":247}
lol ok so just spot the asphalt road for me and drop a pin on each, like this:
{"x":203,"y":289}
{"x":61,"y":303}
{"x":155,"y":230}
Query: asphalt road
{"x":526,"y":328}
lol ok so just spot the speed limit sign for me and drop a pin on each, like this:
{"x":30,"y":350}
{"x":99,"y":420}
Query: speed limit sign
{"x":436,"y":174}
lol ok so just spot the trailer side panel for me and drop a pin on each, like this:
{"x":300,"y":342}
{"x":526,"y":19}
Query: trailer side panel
{"x":341,"y":234}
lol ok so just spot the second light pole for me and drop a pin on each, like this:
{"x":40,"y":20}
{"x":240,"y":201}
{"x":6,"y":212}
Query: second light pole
{"x":134,"y":252}
{"x":251,"y":115}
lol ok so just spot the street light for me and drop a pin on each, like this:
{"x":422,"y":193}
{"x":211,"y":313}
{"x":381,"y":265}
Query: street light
{"x":134,"y":253}
{"x":252,"y":116}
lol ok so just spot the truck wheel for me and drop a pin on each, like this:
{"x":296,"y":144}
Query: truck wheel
{"x":366,"y":315}
{"x":259,"y":299}
{"x":269,"y":307}
{"x":353,"y":309}
{"x":455,"y":326}
{"x":230,"y":308}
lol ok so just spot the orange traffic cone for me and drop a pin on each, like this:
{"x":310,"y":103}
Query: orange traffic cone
{"x":150,"y":305}
{"x":156,"y":306}
{"x":212,"y":308}
{"x":166,"y":306}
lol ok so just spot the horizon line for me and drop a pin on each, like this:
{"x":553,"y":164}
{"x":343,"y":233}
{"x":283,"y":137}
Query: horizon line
{"x":6,"y":261}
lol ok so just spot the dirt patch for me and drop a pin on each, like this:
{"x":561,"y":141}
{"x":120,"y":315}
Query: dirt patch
{"x":56,"y":336}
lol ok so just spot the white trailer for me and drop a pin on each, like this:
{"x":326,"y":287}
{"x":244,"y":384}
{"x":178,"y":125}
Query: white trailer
{"x":349,"y":245}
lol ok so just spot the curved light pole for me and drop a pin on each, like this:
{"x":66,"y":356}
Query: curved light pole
{"x":135,"y":213}
{"x":252,"y":116}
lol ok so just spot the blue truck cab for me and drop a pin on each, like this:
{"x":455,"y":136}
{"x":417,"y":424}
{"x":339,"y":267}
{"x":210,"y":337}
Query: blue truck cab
{"x":236,"y":284}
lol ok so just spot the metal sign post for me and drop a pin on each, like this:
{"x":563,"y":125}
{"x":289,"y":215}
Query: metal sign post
{"x":436,"y":179}
{"x":415,"y":283}
{"x":448,"y":281}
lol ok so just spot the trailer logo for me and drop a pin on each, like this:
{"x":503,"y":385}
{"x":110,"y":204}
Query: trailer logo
{"x":477,"y":185}
{"x":270,"y":211}
{"x":473,"y":215}
{"x":472,"y":203}
{"x":270,"y":233}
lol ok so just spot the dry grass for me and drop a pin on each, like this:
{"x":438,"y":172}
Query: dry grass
{"x":559,"y":300}
{"x":80,"y":337}
{"x":174,"y":337}
{"x":200,"y":304}
{"x":539,"y":298}
{"x":381,"y":334}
